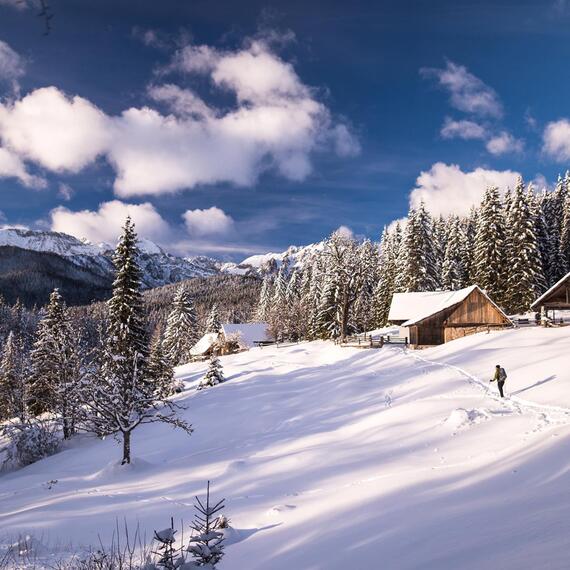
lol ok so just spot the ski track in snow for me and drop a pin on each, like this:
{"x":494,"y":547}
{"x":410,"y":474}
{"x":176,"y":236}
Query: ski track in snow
{"x":546,"y":415}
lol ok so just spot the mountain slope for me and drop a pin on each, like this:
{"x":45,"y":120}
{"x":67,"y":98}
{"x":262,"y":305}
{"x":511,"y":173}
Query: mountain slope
{"x":334,"y":458}
{"x":33,"y":262}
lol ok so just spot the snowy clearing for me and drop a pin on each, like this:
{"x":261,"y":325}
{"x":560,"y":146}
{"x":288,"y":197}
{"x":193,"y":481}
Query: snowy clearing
{"x":335,"y":458}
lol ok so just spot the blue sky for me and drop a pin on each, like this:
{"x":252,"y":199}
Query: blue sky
{"x":230,"y":128}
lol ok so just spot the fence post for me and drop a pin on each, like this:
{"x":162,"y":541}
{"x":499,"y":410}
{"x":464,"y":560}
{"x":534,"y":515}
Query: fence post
{"x":406,"y":341}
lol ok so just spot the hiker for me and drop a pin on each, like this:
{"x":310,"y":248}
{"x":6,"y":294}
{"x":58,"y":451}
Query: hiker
{"x":500,"y":377}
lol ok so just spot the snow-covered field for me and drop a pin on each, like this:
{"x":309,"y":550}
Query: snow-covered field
{"x":340,"y":458}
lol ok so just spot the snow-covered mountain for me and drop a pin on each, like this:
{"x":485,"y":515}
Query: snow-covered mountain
{"x":53,"y":259}
{"x":295,"y":256}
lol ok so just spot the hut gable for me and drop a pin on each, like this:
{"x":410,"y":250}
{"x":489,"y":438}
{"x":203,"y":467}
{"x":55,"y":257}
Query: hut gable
{"x":447,"y":315}
{"x":557,"y":297}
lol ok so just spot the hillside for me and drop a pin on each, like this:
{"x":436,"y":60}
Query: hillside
{"x":334,"y":458}
{"x":33,"y":263}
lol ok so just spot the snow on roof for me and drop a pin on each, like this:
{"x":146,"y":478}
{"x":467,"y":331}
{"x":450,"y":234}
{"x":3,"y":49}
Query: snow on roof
{"x":204,"y":344}
{"x":544,"y":295}
{"x":445,"y":300}
{"x":415,"y":307}
{"x":249,"y":332}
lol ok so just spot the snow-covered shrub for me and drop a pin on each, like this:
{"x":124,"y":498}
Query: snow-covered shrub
{"x":30,"y":441}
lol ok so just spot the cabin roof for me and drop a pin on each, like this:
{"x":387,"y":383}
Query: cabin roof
{"x":550,"y":291}
{"x":249,"y":332}
{"x":204,"y":344}
{"x":415,"y":307}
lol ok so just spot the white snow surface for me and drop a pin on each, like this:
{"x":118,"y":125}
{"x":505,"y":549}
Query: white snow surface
{"x":332,"y":458}
{"x":249,"y":332}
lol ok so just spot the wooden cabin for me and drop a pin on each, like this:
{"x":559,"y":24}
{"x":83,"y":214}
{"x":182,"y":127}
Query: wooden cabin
{"x":436,"y":317}
{"x":556,"y":298}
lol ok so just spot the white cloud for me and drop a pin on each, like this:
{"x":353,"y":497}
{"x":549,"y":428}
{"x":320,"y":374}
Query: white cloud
{"x":65,"y":191}
{"x":60,"y":133}
{"x":344,"y":231}
{"x":467,"y":130}
{"x":11,"y":166}
{"x":503,"y":143}
{"x":11,"y":64}
{"x":104,"y":224}
{"x":446,"y":189}
{"x":276,"y":123}
{"x":182,"y":102}
{"x":209,"y":221}
{"x":467,"y":92}
{"x":556,"y":140}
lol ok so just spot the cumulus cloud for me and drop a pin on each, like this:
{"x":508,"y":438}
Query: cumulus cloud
{"x":58,"y":132}
{"x":11,"y":166}
{"x":504,"y":143}
{"x":556,"y":140}
{"x":467,"y":92}
{"x":276,"y":123}
{"x":445,"y":189}
{"x":104,"y":224}
{"x":211,"y":221}
{"x":467,"y":130}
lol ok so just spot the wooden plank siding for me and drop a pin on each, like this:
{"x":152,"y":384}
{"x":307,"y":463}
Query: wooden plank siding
{"x":474,"y":314}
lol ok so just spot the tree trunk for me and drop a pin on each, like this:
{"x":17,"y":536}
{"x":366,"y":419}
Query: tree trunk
{"x":126,"y":448}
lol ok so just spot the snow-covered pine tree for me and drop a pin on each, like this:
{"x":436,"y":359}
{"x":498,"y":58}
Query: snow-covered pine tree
{"x":159,"y":368}
{"x":214,"y":375}
{"x":369,"y":261}
{"x":181,"y":332}
{"x":386,"y":285}
{"x":417,"y":267}
{"x":541,"y":231}
{"x":122,"y":396}
{"x":278,"y":314}
{"x":213,"y":325}
{"x":440,"y":235}
{"x":454,"y":273}
{"x":489,"y":268}
{"x":564,"y":250}
{"x":525,"y":273}
{"x":56,"y":366}
{"x":293,"y":307}
{"x":470,"y":231}
{"x":554,"y":217}
{"x":13,"y":381}
{"x":265,"y":296}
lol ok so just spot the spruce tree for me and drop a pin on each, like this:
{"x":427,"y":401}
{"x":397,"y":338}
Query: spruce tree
{"x":526,"y":277}
{"x":214,"y":375}
{"x":454,"y":273}
{"x":264,"y":306}
{"x":386,"y":285}
{"x":13,"y":381}
{"x":56,"y":366}
{"x":213,"y":325}
{"x":489,"y":269}
{"x":159,"y":369}
{"x":181,"y":332}
{"x":564,"y":249}
{"x":417,"y":264}
{"x":122,"y":395}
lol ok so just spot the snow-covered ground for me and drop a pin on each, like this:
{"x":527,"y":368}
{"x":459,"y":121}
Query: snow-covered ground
{"x":341,"y":458}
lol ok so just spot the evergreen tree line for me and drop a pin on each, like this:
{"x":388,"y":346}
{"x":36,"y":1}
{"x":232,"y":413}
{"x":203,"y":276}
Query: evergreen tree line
{"x":513,"y":245}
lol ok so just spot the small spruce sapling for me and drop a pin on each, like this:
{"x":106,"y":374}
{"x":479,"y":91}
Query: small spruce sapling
{"x":214,"y":375}
{"x":206,"y":544}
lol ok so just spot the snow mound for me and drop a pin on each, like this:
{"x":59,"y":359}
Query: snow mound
{"x":461,"y":419}
{"x":278,"y":509}
{"x":114,"y":469}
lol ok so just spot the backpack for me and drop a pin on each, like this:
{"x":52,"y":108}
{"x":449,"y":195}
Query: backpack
{"x":502,"y":375}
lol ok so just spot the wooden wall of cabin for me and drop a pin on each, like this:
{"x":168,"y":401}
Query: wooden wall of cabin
{"x":476,"y":309}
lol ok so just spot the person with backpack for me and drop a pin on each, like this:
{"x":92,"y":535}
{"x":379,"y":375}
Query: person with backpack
{"x":500,"y":377}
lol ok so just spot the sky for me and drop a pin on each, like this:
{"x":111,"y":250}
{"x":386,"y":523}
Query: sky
{"x":231,"y":128}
